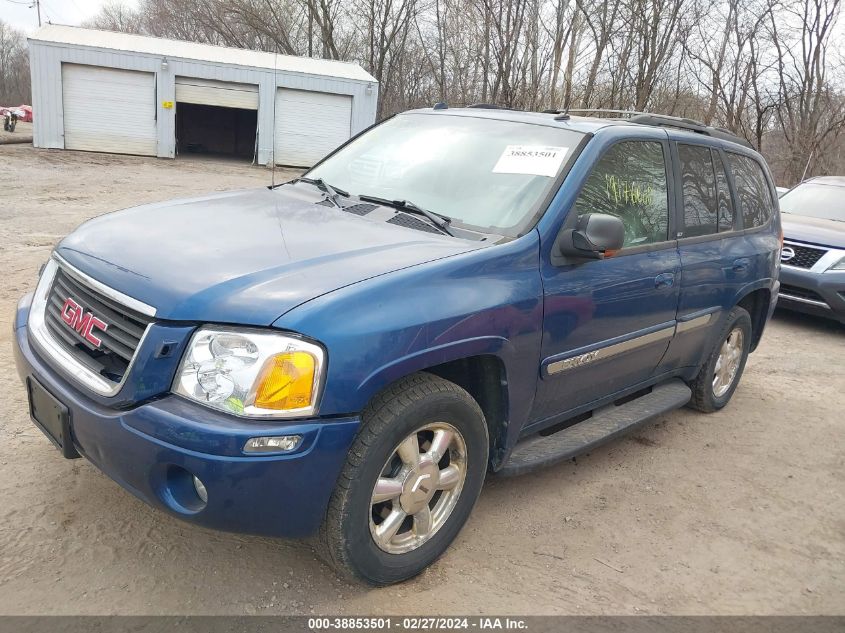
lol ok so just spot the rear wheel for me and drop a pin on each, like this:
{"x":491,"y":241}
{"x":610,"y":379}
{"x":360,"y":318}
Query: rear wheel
{"x":719,"y":376}
{"x":411,"y":479}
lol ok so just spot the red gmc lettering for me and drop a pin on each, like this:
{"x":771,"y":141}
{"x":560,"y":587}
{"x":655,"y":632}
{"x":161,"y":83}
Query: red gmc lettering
{"x":75,"y":316}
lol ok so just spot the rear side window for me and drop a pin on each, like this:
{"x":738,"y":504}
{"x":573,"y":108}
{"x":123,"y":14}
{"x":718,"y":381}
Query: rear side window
{"x":698,"y":183}
{"x":726,"y":207}
{"x":752,"y":190}
{"x":629,"y":181}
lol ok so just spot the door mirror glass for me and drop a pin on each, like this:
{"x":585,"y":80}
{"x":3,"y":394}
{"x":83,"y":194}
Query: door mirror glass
{"x":593,"y":236}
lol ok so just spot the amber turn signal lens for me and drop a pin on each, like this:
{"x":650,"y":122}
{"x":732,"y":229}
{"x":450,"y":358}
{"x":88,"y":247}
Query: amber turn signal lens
{"x":286,"y":381}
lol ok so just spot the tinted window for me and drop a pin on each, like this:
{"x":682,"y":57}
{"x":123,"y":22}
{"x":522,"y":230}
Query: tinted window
{"x":752,"y":189}
{"x":726,"y":206}
{"x":629,"y":181}
{"x":698,"y":183}
{"x":815,"y":200}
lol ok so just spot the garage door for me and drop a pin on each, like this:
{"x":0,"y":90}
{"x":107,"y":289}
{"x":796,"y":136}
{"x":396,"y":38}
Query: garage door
{"x":216,"y":93}
{"x":309,"y":125}
{"x":109,"y":110}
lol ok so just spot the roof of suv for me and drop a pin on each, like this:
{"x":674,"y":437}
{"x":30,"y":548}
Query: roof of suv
{"x":586,"y":124}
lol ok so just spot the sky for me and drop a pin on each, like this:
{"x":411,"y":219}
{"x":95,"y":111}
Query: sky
{"x":19,"y":14}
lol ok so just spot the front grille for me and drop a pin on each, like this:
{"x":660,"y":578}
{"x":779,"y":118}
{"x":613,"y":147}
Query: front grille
{"x":805,"y":256}
{"x":119,"y":340}
{"x":801,"y":293}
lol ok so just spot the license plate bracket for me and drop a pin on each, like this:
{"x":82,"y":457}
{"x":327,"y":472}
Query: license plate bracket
{"x":51,"y":416}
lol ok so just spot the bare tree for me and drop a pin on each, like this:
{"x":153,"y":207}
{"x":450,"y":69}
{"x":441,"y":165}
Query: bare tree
{"x":116,"y":16}
{"x":811,"y":113}
{"x":769,"y":70}
{"x":14,"y":67}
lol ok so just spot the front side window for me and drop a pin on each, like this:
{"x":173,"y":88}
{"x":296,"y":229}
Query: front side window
{"x":698,"y":184}
{"x":752,"y":189}
{"x":629,"y":182}
{"x":484,"y":173}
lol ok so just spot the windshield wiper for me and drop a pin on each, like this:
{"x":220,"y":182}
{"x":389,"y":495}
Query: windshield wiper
{"x":440,"y":221}
{"x":332,"y":194}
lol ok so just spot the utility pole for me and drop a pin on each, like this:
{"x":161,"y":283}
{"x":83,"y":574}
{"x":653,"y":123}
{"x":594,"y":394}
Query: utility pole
{"x":38,"y":9}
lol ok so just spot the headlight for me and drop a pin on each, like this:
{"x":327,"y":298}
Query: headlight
{"x":251,"y":373}
{"x":840,"y":265}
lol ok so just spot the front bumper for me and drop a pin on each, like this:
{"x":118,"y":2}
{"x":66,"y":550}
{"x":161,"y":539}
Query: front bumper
{"x":148,"y":449}
{"x":819,"y":293}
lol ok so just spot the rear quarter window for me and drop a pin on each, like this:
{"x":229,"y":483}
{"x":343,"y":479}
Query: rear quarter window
{"x":752,"y":190}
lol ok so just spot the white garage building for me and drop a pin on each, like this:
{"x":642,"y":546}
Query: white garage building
{"x":129,"y":94}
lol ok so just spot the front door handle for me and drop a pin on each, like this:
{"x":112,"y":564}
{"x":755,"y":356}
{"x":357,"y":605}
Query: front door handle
{"x":664,"y":279}
{"x":741,"y":264}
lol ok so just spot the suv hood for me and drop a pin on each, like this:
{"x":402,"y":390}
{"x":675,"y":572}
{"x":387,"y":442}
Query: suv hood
{"x":813,"y":230}
{"x":243,"y":257}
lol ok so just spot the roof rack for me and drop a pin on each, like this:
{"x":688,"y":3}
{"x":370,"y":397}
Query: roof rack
{"x":664,"y":120}
{"x":660,"y":120}
{"x":628,"y":113}
{"x":489,"y":106}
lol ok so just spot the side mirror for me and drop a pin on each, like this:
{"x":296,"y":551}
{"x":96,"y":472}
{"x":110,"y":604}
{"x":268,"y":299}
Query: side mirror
{"x":594,"y":234}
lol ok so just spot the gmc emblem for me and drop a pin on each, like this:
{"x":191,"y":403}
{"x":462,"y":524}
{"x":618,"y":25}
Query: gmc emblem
{"x":75,"y":316}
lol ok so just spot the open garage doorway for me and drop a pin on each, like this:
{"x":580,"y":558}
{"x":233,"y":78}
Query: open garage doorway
{"x":216,"y":118}
{"x":215,"y":130}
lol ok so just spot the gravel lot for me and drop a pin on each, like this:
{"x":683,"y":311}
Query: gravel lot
{"x":740,"y":512}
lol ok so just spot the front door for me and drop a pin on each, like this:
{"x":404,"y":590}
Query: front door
{"x":608,"y":322}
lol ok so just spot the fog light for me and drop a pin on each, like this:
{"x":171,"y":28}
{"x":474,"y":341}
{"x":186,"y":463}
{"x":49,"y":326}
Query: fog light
{"x":280,"y":444}
{"x":202,"y":493}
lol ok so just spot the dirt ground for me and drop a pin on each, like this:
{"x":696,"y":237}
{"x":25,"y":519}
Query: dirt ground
{"x":740,"y":512}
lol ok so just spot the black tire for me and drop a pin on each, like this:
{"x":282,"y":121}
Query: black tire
{"x":345,"y":539}
{"x":703,"y":397}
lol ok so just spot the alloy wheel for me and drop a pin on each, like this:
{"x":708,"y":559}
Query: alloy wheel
{"x":728,"y":362}
{"x":418,"y":488}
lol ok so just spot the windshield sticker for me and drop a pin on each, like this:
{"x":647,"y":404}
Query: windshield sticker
{"x":535,"y":160}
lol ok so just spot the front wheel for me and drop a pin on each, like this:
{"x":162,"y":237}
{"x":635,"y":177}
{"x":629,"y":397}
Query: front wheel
{"x":719,"y":376}
{"x":411,"y":479}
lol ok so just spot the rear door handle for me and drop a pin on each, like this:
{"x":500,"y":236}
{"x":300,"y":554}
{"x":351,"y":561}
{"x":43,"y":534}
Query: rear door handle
{"x":664,"y":279}
{"x":741,"y":264}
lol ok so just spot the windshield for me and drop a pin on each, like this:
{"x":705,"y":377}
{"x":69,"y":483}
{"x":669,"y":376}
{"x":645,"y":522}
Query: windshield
{"x":816,"y":201}
{"x":484,"y":173}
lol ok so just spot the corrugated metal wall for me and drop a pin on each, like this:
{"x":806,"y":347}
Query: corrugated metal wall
{"x":46,"y":61}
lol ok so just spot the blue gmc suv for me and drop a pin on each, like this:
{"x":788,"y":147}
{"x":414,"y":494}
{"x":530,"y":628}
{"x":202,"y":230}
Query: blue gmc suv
{"x":451,"y":293}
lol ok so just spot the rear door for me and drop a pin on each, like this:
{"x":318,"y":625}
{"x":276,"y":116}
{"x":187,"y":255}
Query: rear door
{"x":608,"y":322}
{"x":109,"y":110}
{"x":718,"y":256}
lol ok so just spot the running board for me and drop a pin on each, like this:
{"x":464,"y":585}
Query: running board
{"x":604,"y":425}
